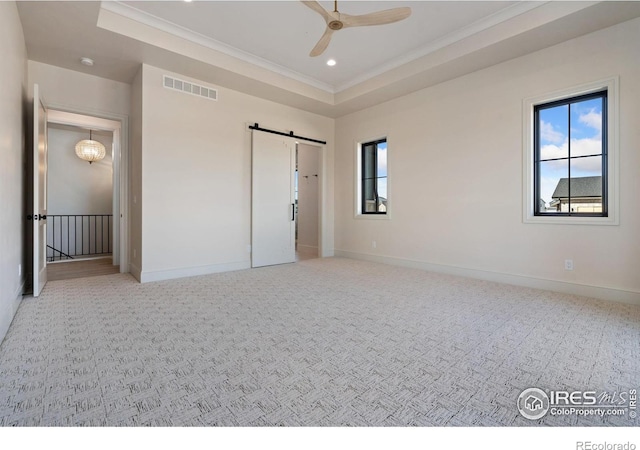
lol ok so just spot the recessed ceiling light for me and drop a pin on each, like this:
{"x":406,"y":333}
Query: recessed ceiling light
{"x":331,"y":62}
{"x":188,"y":1}
{"x":86,"y":61}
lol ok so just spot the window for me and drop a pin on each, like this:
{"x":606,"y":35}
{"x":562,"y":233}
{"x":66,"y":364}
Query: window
{"x":570,"y":140}
{"x":571,"y":159}
{"x":373,"y":177}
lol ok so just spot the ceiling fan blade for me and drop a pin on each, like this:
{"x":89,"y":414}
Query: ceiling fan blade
{"x":323,"y":43}
{"x":376,"y":18}
{"x":314,"y":5}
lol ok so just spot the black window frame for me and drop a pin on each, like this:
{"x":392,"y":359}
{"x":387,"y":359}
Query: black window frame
{"x":603,"y":94}
{"x":363,"y":178}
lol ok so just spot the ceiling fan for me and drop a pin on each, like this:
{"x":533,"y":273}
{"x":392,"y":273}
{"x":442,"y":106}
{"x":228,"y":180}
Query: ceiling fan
{"x":337,"y":21}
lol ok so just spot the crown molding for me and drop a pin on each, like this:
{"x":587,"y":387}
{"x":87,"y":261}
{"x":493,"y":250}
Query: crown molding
{"x":145,"y":18}
{"x":164,"y":25}
{"x":476,"y":27}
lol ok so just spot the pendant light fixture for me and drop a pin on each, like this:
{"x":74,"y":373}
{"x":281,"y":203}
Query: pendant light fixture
{"x":90,"y":150}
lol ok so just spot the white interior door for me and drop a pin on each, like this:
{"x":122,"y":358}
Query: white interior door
{"x":39,"y":193}
{"x":272,"y":204}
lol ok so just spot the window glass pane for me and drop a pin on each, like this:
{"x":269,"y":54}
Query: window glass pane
{"x":368,"y":154}
{"x":570,"y":156}
{"x":369,"y":178}
{"x":382,"y":159}
{"x":382,"y":177}
{"x":382,"y":194}
{"x":369,"y":189}
{"x":553,"y":186}
{"x":586,"y":127}
{"x":374,"y":177}
{"x":586,"y":184}
{"x":553,"y":129}
{"x":382,"y":187}
{"x":586,"y":167}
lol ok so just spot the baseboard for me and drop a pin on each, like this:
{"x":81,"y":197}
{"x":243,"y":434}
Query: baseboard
{"x":307,"y":248}
{"x":159,"y":275}
{"x":604,"y":293}
{"x":6,"y":316}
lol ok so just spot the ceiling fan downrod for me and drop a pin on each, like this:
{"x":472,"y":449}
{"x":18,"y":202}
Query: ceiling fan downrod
{"x":335,"y":24}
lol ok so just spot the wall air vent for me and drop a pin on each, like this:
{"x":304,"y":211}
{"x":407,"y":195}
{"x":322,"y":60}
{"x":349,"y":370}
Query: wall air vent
{"x":190,"y":88}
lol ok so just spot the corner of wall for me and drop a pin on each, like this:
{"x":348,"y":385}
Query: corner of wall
{"x":13,"y":170}
{"x":135,"y":176}
{"x":6,"y":316}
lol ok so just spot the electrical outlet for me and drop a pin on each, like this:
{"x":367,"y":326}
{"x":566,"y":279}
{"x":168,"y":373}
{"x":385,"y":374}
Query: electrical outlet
{"x":19,"y":269}
{"x":134,"y":252}
{"x":374,"y":244}
{"x":568,"y":264}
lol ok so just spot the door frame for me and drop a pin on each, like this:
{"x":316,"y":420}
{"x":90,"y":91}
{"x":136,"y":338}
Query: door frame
{"x":322,"y":197}
{"x":319,"y":148}
{"x":118,"y":125}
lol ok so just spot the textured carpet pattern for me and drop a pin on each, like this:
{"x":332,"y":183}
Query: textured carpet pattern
{"x":317,"y":343}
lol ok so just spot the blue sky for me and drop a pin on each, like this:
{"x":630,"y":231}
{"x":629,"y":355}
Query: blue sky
{"x":586,"y":139}
{"x":382,"y":170}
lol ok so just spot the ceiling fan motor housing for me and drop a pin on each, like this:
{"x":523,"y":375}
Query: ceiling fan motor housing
{"x":335,"y":25}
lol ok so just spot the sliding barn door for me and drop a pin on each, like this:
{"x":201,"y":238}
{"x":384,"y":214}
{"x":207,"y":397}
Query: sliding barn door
{"x":273,"y":203}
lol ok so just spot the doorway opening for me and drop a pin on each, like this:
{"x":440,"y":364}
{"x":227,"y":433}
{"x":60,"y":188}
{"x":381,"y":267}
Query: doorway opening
{"x":83,"y":218}
{"x":307,"y":199}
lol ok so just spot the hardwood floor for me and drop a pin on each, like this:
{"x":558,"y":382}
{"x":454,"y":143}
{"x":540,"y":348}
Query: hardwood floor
{"x":303,"y":256}
{"x":81,"y":269}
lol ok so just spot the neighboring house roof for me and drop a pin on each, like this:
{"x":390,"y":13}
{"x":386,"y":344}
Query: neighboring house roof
{"x":580,"y":187}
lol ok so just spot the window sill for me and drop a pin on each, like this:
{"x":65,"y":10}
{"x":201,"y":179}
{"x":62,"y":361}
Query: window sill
{"x":372,"y":216}
{"x":572,"y":220}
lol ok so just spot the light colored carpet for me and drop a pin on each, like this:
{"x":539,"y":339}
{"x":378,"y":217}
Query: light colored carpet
{"x":321,"y":342}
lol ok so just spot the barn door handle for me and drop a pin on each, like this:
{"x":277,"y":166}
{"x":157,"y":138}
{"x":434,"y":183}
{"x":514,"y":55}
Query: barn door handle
{"x":293,"y":212}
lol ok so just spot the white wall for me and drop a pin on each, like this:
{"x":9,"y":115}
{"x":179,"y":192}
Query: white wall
{"x":68,"y":89}
{"x":196,"y":175}
{"x":75,"y":186}
{"x":13,"y":77}
{"x":308,"y":166}
{"x":455,"y":175}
